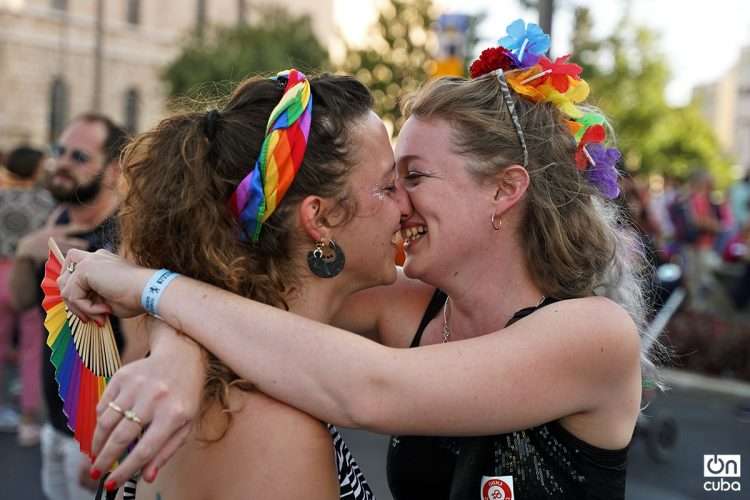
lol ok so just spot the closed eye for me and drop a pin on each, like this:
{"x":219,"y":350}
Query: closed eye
{"x":412,"y":177}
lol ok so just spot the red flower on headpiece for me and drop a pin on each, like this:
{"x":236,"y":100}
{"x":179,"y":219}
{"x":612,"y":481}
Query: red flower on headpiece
{"x":492,"y":59}
{"x":593,"y":134}
{"x":560,"y":70}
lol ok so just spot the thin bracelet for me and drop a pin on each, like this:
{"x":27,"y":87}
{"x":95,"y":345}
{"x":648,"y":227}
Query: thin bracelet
{"x":154,"y":288}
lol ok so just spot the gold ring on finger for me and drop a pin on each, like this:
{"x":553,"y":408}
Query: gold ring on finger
{"x":130,"y":415}
{"x":115,"y":407}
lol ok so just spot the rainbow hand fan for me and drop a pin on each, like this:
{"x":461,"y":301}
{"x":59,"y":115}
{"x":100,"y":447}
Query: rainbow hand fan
{"x":84,"y":355}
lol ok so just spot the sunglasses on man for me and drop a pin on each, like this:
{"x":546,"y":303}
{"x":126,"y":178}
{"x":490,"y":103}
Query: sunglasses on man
{"x":76,"y":155}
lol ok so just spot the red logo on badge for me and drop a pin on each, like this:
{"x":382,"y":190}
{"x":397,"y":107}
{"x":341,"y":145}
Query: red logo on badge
{"x":497,"y":489}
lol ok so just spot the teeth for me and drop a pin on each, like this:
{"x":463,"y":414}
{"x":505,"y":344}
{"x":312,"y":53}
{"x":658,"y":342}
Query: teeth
{"x":414,"y":232}
{"x":396,"y":238}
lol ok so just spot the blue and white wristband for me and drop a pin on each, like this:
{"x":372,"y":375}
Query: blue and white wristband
{"x":154,"y":289}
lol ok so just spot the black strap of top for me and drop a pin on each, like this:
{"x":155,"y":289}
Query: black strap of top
{"x":438,"y":301}
{"x":522,"y":313}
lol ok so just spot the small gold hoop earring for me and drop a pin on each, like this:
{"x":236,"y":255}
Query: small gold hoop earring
{"x":496,"y":224}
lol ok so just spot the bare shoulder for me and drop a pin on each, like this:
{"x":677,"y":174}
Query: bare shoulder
{"x":598,"y":315}
{"x":275,"y":430}
{"x":601,"y":331}
{"x":389,"y":314}
{"x":266,"y":443}
{"x":607,"y":354}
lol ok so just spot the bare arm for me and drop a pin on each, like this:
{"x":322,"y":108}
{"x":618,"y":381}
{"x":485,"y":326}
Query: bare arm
{"x":573,"y":357}
{"x":136,"y":338}
{"x":577,"y":351}
{"x":580,"y":352}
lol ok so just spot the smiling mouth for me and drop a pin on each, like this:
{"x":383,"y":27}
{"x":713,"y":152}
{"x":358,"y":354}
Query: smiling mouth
{"x":413,"y":233}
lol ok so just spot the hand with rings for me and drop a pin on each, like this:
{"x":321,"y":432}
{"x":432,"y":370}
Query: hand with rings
{"x":128,"y":414}
{"x":159,"y":398}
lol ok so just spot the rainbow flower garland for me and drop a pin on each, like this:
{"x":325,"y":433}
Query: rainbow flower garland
{"x":520,"y":55}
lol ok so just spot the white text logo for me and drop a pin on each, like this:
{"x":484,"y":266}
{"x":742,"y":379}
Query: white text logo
{"x":722,"y":467}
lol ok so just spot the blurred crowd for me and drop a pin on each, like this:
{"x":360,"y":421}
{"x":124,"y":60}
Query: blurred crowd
{"x":24,"y":206}
{"x":69,"y":193}
{"x":703,"y":230}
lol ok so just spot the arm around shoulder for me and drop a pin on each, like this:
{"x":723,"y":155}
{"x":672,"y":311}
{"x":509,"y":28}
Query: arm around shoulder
{"x":568,"y":358}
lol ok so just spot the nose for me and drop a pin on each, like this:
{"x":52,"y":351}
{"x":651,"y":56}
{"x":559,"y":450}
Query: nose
{"x":62,"y":160}
{"x":404,"y":202}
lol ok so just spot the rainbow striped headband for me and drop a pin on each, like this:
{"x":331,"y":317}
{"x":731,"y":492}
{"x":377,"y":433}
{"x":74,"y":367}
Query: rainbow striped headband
{"x":288,"y":129}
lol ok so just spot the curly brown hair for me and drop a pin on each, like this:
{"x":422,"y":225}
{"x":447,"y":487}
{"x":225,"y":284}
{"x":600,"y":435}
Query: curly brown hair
{"x":175,"y":214}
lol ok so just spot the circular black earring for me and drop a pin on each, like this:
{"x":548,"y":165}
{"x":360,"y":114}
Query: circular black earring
{"x":326,"y":261}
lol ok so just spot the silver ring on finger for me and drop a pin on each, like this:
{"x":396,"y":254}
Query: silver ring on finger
{"x":71,"y":267}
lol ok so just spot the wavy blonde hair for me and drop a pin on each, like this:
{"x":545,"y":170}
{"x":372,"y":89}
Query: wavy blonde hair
{"x":575,"y":242}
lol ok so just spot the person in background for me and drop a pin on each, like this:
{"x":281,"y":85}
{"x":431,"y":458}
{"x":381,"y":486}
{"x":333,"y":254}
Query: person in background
{"x":700,"y":256}
{"x":23,"y":208}
{"x":83,"y":177}
{"x":739,"y":198}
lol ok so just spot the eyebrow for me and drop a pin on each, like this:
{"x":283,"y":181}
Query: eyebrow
{"x":407,"y":158}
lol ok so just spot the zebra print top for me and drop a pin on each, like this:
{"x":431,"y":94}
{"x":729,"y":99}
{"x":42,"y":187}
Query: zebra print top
{"x":352,"y":483}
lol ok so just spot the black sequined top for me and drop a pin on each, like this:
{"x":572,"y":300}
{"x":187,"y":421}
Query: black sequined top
{"x":543,"y":462}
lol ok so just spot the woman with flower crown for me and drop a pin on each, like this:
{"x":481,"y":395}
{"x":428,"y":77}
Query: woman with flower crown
{"x":507,"y":360}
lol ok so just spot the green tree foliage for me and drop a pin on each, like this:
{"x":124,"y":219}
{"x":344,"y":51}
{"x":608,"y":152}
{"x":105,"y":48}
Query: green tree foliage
{"x":628,"y":77}
{"x":398,"y":57}
{"x":209,"y":66}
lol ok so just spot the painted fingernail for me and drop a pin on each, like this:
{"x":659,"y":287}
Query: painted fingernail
{"x":95,"y":473}
{"x":152,"y":476}
{"x":110,"y":485}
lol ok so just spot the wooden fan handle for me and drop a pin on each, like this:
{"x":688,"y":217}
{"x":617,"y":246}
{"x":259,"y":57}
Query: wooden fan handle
{"x":56,"y":250}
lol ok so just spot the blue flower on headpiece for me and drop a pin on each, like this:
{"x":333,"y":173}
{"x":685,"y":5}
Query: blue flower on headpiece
{"x":527,"y":43}
{"x":603,"y":171}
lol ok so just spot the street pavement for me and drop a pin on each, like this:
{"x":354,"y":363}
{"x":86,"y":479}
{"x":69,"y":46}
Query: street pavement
{"x":707,"y":423}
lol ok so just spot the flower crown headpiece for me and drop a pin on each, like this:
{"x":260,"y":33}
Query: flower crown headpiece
{"x":519,"y":62}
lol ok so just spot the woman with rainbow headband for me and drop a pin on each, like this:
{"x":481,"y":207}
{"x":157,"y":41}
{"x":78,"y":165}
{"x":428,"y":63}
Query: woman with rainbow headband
{"x":511,"y":361}
{"x":255,"y":199}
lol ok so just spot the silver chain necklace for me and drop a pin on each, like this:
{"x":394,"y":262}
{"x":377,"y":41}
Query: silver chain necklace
{"x":447,"y":329}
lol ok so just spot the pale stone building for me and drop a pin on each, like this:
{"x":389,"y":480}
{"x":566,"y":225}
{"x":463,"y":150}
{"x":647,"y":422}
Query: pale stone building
{"x":59,"y":58}
{"x":726,"y":105}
